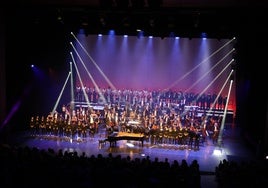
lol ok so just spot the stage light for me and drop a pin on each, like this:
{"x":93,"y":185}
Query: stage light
{"x":140,"y":33}
{"x":204,"y":36}
{"x":112,"y":32}
{"x":217,"y":152}
{"x":32,"y":66}
{"x":60,"y":17}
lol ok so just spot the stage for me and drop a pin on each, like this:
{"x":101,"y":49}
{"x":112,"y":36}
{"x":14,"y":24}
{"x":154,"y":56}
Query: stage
{"x":208,"y":155}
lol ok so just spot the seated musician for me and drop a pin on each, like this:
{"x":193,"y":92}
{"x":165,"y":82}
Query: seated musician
{"x":123,"y":123}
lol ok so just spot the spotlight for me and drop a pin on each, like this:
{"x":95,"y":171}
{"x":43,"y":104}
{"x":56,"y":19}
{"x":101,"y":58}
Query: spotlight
{"x":204,"y":35}
{"x":140,"y":33}
{"x":217,"y":152}
{"x":59,"y":17}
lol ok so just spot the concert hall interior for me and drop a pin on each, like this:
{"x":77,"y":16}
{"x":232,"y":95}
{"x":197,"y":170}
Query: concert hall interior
{"x":159,"y":80}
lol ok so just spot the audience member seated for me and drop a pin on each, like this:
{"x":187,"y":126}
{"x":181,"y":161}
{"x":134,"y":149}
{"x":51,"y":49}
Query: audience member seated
{"x":32,"y":167}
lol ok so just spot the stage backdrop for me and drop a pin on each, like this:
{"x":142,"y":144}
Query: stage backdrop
{"x":195,"y":65}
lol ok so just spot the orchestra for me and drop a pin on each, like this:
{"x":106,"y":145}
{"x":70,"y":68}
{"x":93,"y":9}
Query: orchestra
{"x":161,"y":122}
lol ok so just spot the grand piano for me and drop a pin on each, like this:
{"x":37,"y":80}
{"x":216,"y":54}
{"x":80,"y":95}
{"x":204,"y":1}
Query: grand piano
{"x":116,"y":136}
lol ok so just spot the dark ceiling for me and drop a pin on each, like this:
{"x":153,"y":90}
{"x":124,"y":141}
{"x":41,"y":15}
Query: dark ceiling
{"x":145,"y":3}
{"x":221,"y":18}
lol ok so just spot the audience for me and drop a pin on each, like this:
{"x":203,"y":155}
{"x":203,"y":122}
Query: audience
{"x":32,"y":167}
{"x":244,"y":173}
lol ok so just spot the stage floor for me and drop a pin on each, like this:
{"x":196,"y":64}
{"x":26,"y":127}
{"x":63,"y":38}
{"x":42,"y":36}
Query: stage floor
{"x":208,"y":155}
